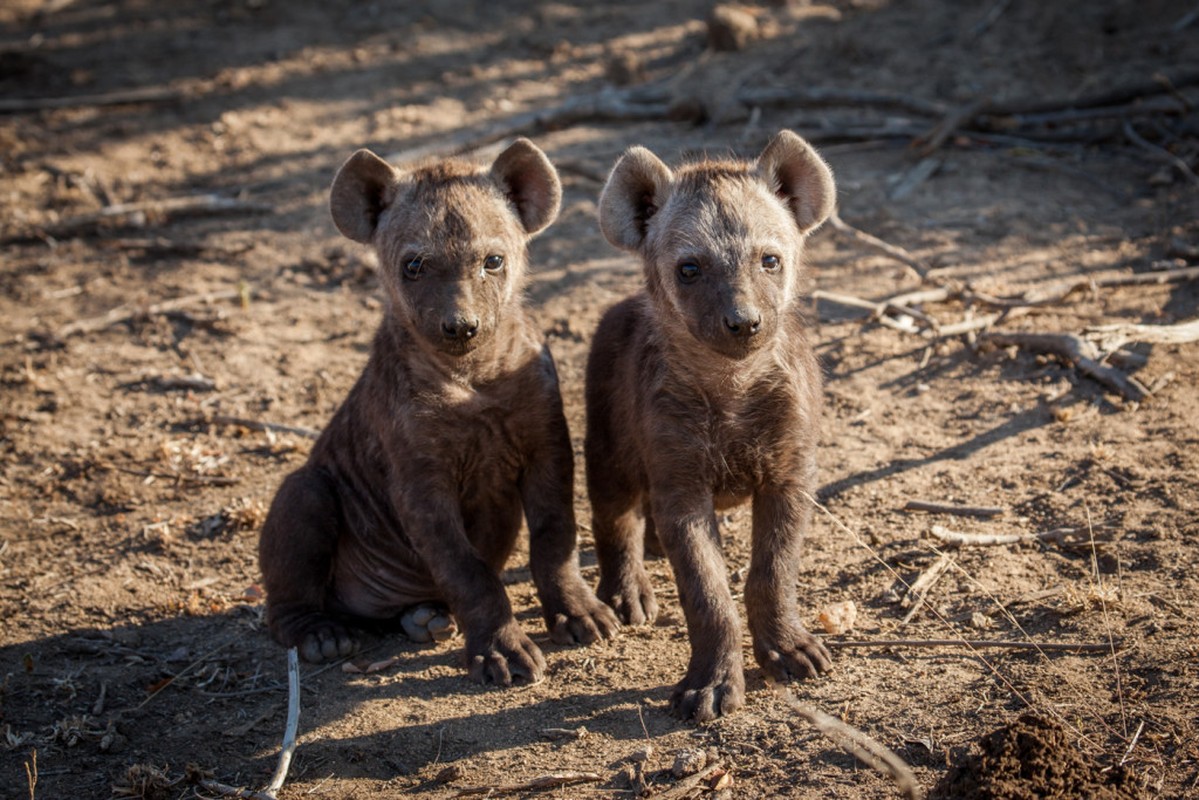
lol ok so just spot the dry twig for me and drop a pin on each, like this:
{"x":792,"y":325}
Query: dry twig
{"x":293,"y":723}
{"x":954,"y":508}
{"x":978,"y":644}
{"x":898,"y":253}
{"x":856,"y":743}
{"x":126,"y":313}
{"x":918,"y":589}
{"x":258,"y":425}
{"x":149,"y":94}
{"x":550,"y":781}
{"x":1065,"y":537}
{"x":1078,"y":353}
{"x":139,"y":213}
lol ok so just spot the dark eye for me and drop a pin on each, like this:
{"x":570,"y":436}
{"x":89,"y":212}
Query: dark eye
{"x":688,"y":272}
{"x":771,"y":263}
{"x":493,"y":263}
{"x":413,"y":267}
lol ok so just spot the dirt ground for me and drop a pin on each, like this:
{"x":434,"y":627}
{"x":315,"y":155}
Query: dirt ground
{"x":133,"y":658}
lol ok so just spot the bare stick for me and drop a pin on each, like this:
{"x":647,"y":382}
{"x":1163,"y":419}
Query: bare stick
{"x":1110,"y":338}
{"x":128,"y":312}
{"x":1060,"y":291}
{"x":856,"y":743}
{"x":140,"y":212}
{"x":977,"y":644}
{"x":293,"y":722}
{"x":1159,"y":84}
{"x":897,"y":253}
{"x":1077,"y":352}
{"x":918,"y":589}
{"x":1065,"y":537}
{"x":930,"y":142}
{"x":1160,"y":153}
{"x":258,"y":425}
{"x":149,"y":94}
{"x":685,"y":786}
{"x":31,"y":773}
{"x":550,"y":781}
{"x":952,"y":508}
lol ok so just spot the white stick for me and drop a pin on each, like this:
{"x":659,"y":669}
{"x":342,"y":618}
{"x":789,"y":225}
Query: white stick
{"x":293,"y":722}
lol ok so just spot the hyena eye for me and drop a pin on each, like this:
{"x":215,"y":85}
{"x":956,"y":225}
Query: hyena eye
{"x":413,"y":267}
{"x":493,"y":263}
{"x":688,"y":272}
{"x":771,"y":263}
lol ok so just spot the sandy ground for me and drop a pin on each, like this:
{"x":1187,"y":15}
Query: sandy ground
{"x":133,"y":655}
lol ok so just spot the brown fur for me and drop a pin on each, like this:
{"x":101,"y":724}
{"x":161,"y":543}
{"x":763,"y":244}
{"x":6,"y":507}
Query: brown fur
{"x":703,"y":391}
{"x":416,"y":489}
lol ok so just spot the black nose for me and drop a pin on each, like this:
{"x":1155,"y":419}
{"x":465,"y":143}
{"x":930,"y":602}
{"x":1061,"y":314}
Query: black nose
{"x":461,"y":329}
{"x":743,"y":323}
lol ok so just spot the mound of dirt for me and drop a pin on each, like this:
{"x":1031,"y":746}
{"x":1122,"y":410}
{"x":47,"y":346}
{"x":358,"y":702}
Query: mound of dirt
{"x":1032,"y":758}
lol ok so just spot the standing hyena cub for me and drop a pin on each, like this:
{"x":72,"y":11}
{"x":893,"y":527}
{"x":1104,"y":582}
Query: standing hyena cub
{"x":702,"y":392}
{"x":412,"y":499}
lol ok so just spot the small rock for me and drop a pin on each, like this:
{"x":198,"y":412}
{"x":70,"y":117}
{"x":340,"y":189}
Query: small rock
{"x":642,"y":754}
{"x":450,"y":774}
{"x":731,"y":28}
{"x":688,"y":761}
{"x":839,"y":617}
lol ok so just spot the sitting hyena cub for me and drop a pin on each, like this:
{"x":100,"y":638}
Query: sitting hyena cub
{"x":412,"y":499}
{"x":702,"y":392}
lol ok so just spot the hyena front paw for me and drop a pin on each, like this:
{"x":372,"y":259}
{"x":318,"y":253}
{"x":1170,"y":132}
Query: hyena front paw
{"x":580,"y":618}
{"x":793,"y":653}
{"x":631,"y":596}
{"x":709,"y":691}
{"x":503,"y":656}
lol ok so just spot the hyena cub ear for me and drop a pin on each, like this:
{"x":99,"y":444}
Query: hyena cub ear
{"x":364,"y":187}
{"x":636,"y":189}
{"x":799,"y":176}
{"x":530,"y":182}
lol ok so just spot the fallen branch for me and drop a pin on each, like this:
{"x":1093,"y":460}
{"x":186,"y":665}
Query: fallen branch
{"x":856,"y":743}
{"x":953,"y":508}
{"x":142,"y":212}
{"x":930,"y":142}
{"x":919,"y":267}
{"x":550,"y":781}
{"x":686,"y":786}
{"x":1060,"y":291}
{"x":1110,"y":338}
{"x":1160,"y":153}
{"x":149,"y":94}
{"x":1077,"y":352}
{"x":293,"y":723}
{"x":126,"y":313}
{"x":1065,"y":537}
{"x":203,"y":480}
{"x":976,"y":644}
{"x":258,"y":425}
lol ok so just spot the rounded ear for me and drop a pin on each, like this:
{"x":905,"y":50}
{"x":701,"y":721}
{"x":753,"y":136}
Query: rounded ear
{"x":530,"y":182}
{"x":636,"y":189}
{"x":362,"y":189}
{"x":798,"y":175}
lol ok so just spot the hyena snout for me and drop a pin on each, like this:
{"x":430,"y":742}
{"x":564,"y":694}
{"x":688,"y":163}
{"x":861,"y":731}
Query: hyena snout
{"x":460,"y":327}
{"x":743,"y":322}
